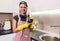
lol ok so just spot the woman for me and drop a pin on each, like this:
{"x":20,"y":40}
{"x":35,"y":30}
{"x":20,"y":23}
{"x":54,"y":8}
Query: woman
{"x":21,"y":35}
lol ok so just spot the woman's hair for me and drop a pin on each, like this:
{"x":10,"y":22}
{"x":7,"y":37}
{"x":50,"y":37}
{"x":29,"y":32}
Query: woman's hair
{"x":23,"y":2}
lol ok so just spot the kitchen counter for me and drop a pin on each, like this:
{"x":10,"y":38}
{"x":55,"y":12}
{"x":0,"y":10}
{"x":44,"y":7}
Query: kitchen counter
{"x":4,"y":32}
{"x":34,"y":34}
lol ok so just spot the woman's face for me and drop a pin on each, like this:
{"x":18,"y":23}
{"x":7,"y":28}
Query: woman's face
{"x":22,"y":9}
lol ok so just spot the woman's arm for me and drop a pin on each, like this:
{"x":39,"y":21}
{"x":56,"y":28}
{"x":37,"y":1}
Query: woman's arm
{"x":14,"y":26}
{"x":19,"y":23}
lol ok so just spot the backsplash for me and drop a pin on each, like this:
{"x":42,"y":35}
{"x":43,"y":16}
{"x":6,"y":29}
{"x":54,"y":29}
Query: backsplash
{"x":52,"y":29}
{"x":49,"y":23}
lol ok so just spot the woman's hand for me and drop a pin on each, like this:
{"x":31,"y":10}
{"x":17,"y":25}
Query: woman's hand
{"x":23,"y":26}
{"x":20,"y":25}
{"x":15,"y":29}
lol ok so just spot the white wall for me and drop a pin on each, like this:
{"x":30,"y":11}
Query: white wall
{"x":8,"y":6}
{"x":42,"y":5}
{"x":34,"y":5}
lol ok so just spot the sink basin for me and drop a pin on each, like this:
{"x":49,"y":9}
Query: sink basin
{"x":49,"y":38}
{"x":35,"y":34}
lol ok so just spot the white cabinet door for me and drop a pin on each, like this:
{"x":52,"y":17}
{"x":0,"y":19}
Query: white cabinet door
{"x":8,"y":37}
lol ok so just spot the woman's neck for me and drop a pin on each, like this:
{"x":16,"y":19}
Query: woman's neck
{"x":22,"y":14}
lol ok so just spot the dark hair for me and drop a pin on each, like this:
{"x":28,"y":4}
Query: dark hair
{"x":23,"y":2}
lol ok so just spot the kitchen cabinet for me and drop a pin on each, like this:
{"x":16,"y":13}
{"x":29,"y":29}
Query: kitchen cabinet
{"x":8,"y":37}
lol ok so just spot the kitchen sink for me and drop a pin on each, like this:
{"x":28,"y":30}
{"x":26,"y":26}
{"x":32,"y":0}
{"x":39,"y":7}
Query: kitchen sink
{"x":48,"y":37}
{"x":44,"y":36}
{"x":35,"y":35}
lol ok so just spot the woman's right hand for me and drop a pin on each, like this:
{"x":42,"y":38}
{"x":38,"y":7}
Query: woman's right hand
{"x":20,"y":25}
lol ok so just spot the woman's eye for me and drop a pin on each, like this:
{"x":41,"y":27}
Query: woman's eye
{"x":22,"y":7}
